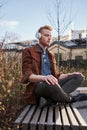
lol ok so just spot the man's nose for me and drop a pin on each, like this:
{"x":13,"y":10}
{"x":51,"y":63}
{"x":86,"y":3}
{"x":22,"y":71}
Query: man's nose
{"x":50,"y":37}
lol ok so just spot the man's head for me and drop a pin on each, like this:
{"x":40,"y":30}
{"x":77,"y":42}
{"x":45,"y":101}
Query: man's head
{"x":44,"y":35}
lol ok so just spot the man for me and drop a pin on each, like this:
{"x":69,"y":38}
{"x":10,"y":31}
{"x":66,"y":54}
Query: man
{"x":41,"y":76}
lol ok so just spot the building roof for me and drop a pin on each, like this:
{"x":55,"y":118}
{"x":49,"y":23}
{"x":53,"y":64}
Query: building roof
{"x":77,"y":43}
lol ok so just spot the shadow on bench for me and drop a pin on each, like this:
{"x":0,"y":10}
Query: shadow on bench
{"x":59,"y":117}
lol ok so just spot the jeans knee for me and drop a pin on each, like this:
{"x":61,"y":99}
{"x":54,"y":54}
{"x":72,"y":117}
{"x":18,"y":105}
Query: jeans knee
{"x":41,"y":89}
{"x":80,"y":78}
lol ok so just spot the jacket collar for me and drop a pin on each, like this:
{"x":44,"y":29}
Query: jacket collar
{"x":38,"y":48}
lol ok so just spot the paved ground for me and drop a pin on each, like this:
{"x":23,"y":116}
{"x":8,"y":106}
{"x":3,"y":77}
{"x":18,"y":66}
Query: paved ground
{"x":82,"y":105}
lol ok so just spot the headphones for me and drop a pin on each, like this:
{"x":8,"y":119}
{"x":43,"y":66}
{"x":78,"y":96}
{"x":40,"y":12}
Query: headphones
{"x":38,"y":35}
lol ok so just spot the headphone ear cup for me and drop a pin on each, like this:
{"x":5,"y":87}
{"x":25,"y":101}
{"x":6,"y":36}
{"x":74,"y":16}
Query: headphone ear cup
{"x":38,"y":35}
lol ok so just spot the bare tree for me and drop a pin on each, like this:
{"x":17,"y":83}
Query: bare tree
{"x":57,"y":17}
{"x":2,"y":3}
{"x":9,"y":37}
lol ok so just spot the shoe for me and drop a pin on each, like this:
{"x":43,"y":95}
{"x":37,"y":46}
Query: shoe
{"x":81,"y":97}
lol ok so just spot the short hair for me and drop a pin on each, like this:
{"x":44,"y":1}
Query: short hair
{"x":45,"y":27}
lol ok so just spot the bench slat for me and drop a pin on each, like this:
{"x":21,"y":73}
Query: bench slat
{"x":83,"y":113}
{"x":41,"y":123}
{"x":50,"y":119}
{"x":83,"y":124}
{"x":25,"y":123}
{"x":73,"y":121}
{"x":22,"y":115}
{"x":34,"y":121}
{"x":66,"y":124}
{"x":58,"y":123}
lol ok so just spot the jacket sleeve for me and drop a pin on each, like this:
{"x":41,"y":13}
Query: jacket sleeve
{"x":26,"y":66}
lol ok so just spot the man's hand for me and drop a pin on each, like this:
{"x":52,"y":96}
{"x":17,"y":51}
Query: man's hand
{"x":62,"y":76}
{"x":79,"y":74}
{"x":50,"y":79}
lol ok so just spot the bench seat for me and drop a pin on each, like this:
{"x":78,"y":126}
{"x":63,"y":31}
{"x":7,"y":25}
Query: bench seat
{"x":58,"y":117}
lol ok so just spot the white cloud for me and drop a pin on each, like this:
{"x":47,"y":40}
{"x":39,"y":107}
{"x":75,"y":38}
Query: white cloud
{"x":11,"y":24}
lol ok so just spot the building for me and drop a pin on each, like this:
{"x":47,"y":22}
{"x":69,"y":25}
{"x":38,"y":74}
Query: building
{"x":73,"y":34}
{"x":70,"y":50}
{"x":72,"y":46}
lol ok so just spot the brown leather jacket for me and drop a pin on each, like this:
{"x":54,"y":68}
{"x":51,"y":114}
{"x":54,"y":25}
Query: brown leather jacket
{"x":31,"y":64}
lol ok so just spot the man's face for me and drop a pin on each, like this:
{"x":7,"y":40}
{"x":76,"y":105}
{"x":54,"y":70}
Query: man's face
{"x":46,"y":37}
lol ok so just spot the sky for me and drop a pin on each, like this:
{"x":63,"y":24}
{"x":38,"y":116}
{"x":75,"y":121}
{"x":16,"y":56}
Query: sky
{"x":25,"y":17}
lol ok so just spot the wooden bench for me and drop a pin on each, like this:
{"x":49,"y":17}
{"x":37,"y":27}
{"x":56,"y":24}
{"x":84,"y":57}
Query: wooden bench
{"x":58,"y":117}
